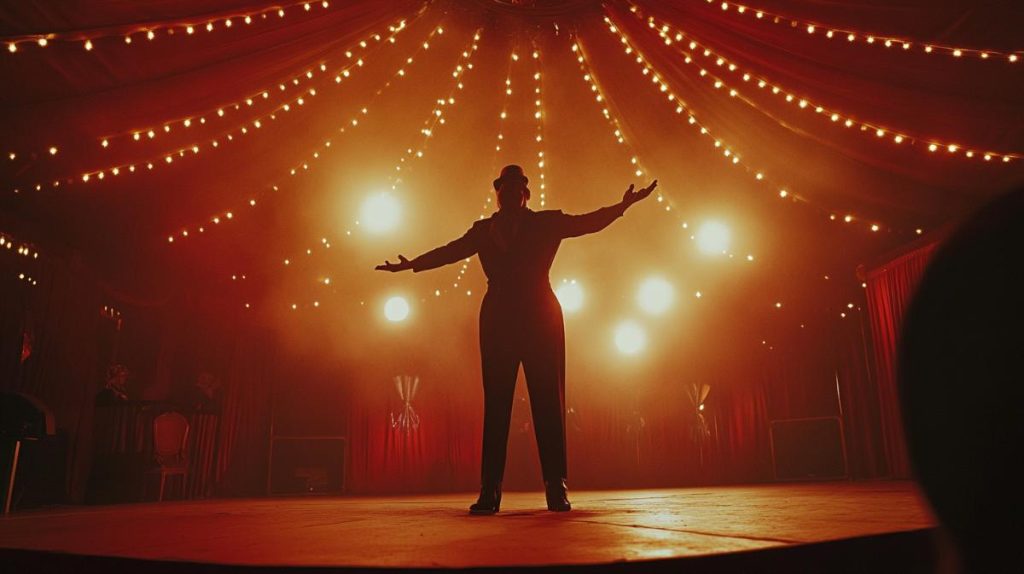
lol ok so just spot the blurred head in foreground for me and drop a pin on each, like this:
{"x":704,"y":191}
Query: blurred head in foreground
{"x":962,"y":385}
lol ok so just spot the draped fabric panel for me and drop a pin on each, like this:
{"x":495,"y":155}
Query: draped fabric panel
{"x":619,"y":444}
{"x":71,"y":345}
{"x":61,"y":317}
{"x":203,"y":431}
{"x":626,"y":439}
{"x":244,"y":429}
{"x":858,"y":395}
{"x":890,"y":289}
{"x":441,"y":453}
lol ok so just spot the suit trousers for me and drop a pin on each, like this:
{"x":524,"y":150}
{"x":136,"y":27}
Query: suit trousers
{"x":523,"y":327}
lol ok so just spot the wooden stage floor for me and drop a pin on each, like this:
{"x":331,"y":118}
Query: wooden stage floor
{"x":435,"y":530}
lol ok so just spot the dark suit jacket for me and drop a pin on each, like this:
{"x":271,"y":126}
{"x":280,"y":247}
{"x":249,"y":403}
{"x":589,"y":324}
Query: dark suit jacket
{"x":516,"y":249}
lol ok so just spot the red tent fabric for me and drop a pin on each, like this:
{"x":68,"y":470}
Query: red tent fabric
{"x":249,"y":225}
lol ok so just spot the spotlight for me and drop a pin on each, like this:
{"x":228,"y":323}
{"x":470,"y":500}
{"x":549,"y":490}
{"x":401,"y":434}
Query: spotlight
{"x":713,"y":238}
{"x":381,"y":213}
{"x":630,"y":338}
{"x":655,"y":295}
{"x":396,"y":309}
{"x":570,"y":296}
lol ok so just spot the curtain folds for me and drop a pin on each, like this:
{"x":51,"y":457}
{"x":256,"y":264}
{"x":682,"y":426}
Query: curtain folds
{"x":890,"y":288}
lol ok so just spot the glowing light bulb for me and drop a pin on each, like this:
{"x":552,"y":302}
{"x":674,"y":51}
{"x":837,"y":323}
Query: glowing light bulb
{"x":713,"y":238}
{"x":570,"y":296}
{"x":396,"y":309}
{"x":655,"y":295}
{"x":630,"y":338}
{"x":381,"y":213}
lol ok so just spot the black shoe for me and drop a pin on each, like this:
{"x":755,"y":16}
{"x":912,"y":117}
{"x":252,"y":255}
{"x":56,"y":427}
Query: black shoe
{"x":558,"y":499}
{"x":489,"y":501}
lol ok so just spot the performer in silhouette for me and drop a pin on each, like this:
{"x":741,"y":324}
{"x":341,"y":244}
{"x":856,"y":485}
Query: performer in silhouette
{"x":521,"y":322}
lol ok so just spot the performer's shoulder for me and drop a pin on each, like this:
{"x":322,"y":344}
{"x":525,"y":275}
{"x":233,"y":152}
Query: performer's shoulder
{"x":481,"y":222}
{"x":549,"y":213}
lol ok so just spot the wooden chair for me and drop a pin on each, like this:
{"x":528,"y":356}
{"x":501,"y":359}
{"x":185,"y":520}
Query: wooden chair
{"x":170,"y":434}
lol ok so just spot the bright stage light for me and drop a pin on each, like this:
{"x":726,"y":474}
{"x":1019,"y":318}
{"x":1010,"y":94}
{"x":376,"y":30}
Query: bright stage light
{"x":380,"y":213}
{"x":570,"y":296}
{"x":396,"y":309}
{"x":655,"y":295}
{"x":630,"y":338}
{"x":713,"y":238}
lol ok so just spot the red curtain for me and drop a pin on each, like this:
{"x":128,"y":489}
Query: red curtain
{"x":441,"y":453}
{"x":626,"y":441}
{"x":61,"y":316}
{"x":890,"y":288}
{"x":244,"y":432}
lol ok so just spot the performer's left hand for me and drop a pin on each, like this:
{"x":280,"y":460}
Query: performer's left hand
{"x":631,"y":197}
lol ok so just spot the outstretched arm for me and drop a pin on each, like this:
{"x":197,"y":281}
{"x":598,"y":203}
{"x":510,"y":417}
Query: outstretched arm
{"x":576,"y":225}
{"x":461,"y":248}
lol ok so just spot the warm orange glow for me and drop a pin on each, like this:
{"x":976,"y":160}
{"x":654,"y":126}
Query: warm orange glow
{"x":655,"y":295}
{"x":713,"y":238}
{"x":570,"y":296}
{"x":396,"y":309}
{"x":630,"y":338}
{"x":380,"y":213}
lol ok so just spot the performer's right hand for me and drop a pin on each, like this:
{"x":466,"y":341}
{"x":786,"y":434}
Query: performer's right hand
{"x":402,"y":265}
{"x":631,"y":197}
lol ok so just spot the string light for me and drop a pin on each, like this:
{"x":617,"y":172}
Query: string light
{"x":264,"y":94}
{"x":268,"y":93}
{"x":435,"y":119}
{"x":349,"y":124}
{"x":506,"y":97}
{"x":28,"y":279}
{"x":677,"y":37}
{"x":852,"y":36}
{"x":24,"y":249}
{"x":228,"y":136}
{"x":20,"y":250}
{"x":149,"y":29}
{"x":617,"y":127}
{"x":680,"y":108}
{"x":539,"y":115}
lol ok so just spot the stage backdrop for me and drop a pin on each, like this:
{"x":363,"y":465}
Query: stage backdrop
{"x":627,"y":438}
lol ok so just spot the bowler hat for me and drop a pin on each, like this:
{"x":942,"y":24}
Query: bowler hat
{"x":512,"y":173}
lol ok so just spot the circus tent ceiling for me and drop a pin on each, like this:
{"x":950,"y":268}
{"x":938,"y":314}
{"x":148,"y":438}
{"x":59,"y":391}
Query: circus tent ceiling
{"x":184,"y":142}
